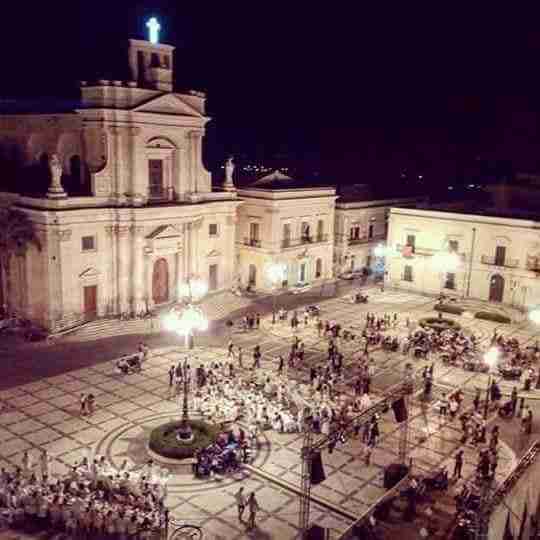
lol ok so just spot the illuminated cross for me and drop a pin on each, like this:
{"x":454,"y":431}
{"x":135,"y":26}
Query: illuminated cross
{"x":154,"y":27}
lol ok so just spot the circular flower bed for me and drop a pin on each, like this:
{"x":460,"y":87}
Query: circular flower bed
{"x":439,"y":324}
{"x":164,"y":441}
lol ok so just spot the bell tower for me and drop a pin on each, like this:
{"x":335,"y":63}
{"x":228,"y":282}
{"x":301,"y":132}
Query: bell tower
{"x":151,"y":62}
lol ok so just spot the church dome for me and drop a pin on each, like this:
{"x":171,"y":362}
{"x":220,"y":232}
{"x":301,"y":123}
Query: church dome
{"x":276,"y":180}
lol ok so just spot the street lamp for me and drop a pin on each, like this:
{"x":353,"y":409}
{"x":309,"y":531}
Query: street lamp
{"x":491,"y":358}
{"x":276,"y":274}
{"x":184,"y":320}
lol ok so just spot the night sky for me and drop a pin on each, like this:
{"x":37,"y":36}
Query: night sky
{"x":358,"y":95}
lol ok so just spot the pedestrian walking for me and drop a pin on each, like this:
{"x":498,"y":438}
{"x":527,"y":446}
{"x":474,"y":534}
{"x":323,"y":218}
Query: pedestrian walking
{"x":443,"y":406}
{"x":171,"y":376}
{"x":253,"y":507}
{"x":82,"y":401}
{"x":230,"y":352}
{"x":90,"y":402}
{"x":476,"y":401}
{"x":458,"y":464}
{"x":514,"y":400}
{"x":240,"y":357}
{"x":240,"y":502}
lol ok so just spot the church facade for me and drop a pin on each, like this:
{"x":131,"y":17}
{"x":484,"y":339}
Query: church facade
{"x":119,"y":198}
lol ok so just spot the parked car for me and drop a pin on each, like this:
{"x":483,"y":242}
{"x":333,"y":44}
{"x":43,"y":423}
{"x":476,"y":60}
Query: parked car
{"x":301,"y":287}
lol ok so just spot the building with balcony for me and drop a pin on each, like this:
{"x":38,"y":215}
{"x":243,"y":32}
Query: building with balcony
{"x":361,"y":223}
{"x":498,"y":257}
{"x":119,"y":198}
{"x":283,"y":220}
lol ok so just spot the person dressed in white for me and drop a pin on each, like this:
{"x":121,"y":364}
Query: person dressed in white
{"x":44,"y":463}
{"x":365,"y":401}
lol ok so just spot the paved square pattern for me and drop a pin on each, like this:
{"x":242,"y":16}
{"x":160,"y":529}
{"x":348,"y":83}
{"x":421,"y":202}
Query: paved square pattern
{"x":44,"y":414}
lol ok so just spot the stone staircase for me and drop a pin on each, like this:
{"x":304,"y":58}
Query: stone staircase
{"x":215,"y":307}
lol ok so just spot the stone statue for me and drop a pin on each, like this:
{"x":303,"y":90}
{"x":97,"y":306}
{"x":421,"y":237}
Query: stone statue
{"x":55,"y":189}
{"x":229,"y":170}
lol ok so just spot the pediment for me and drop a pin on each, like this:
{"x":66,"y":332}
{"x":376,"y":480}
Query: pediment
{"x":168,"y":104}
{"x":164,"y":232}
{"x":89,"y":273}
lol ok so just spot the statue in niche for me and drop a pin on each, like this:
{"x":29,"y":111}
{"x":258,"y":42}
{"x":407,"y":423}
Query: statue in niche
{"x":56,"y":189}
{"x":229,"y":170}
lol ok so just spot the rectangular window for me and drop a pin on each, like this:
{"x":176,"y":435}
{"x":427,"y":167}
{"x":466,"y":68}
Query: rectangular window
{"x":450,"y":281}
{"x":286,"y":235}
{"x":453,"y":246}
{"x":411,"y":241}
{"x":320,"y":230}
{"x":500,"y":255}
{"x":306,"y":232}
{"x":213,"y":277}
{"x":408,"y":273}
{"x":355,"y":233}
{"x":155,"y":179}
{"x":212,"y":229}
{"x":254,"y":237}
{"x":88,"y":243}
{"x":370,"y":231}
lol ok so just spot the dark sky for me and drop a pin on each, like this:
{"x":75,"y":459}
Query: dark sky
{"x":359,"y":93}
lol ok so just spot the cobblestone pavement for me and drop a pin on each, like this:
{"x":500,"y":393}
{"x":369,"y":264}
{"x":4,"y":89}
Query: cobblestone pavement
{"x":44,"y":414}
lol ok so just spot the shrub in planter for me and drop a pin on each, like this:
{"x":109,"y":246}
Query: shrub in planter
{"x":439,"y":324}
{"x":447,"y":308}
{"x":491,"y":316}
{"x":163,"y":440}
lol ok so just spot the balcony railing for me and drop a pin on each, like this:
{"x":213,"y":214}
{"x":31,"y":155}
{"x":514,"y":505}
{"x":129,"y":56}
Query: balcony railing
{"x":353,"y":241}
{"x":253,"y":242}
{"x":491,"y":260}
{"x":533,"y":265}
{"x":304,"y":240}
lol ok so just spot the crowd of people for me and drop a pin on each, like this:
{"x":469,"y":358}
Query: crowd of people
{"x":92,"y":500}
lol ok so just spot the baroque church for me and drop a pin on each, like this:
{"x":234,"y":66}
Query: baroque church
{"x":120,"y":200}
{"x":125,"y":212}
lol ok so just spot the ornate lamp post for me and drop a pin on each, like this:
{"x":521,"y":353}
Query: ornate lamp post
{"x":184,"y":320}
{"x":491,"y":358}
{"x":276,"y":274}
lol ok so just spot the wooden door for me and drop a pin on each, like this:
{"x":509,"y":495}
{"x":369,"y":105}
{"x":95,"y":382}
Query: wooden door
{"x":160,"y":282}
{"x":90,"y":301}
{"x":496,"y":289}
{"x":213,"y":277}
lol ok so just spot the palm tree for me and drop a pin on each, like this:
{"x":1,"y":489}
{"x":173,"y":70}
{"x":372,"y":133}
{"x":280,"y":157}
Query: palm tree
{"x":17,"y":232}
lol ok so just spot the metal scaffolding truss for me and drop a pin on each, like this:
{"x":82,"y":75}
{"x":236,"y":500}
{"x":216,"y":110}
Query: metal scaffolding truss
{"x":490,"y":500}
{"x":309,"y":447}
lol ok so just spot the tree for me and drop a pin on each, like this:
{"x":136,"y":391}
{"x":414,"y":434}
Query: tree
{"x":17,"y":233}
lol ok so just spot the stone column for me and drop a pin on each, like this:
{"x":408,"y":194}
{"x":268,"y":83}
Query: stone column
{"x":56,"y":296}
{"x":117,"y":159}
{"x":195,"y":245}
{"x":180,"y":273}
{"x":148,"y":271}
{"x":136,"y":169}
{"x":137,"y":276}
{"x":124,"y":268}
{"x":187,"y":251}
{"x":112,"y":276}
{"x":195,"y":159}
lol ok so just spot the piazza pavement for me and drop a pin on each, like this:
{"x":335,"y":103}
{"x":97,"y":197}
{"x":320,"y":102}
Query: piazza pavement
{"x":44,"y":413}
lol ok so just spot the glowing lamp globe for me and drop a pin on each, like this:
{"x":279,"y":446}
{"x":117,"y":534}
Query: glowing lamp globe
{"x":379,"y":250}
{"x":491,"y":357}
{"x":276,"y":272}
{"x":534,"y":316}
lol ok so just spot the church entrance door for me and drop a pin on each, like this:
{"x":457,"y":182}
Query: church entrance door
{"x":160,"y":282}
{"x":496,"y":288}
{"x":90,"y":302}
